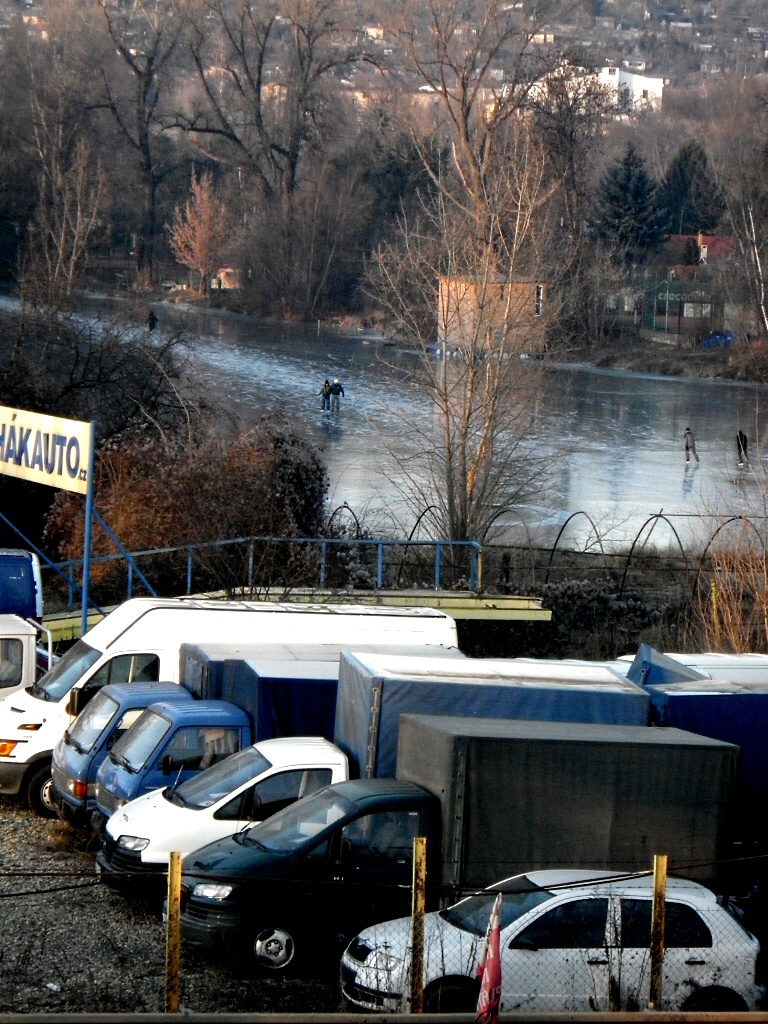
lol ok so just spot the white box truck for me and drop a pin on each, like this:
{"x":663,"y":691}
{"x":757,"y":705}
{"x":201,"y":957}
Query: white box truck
{"x":140,"y":641}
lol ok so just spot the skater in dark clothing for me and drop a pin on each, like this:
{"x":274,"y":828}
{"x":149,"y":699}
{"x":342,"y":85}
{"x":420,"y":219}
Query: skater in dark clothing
{"x":151,"y":320}
{"x":325,"y":394}
{"x":336,"y":389}
{"x":690,"y":445}
{"x":741,"y":447}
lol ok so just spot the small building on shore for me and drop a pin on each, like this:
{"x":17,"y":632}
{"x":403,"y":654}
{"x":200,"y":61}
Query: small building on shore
{"x":492,"y":311}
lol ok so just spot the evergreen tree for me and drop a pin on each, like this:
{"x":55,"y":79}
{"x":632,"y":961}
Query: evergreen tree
{"x":689,"y":193}
{"x":630,"y":218}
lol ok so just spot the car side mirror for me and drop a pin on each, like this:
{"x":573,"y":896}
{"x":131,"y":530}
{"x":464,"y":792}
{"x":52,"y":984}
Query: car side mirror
{"x":113,"y":738}
{"x":78,"y":698}
{"x":523,"y":943}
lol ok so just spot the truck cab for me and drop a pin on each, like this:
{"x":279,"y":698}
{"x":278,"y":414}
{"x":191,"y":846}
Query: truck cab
{"x":18,"y":654}
{"x":82,"y":749}
{"x":168,"y":744}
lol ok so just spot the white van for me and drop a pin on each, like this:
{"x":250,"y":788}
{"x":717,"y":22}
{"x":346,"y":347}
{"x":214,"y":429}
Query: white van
{"x":141,"y":640}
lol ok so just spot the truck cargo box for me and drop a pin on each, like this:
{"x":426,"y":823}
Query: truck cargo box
{"x":374,"y":690}
{"x":283,"y":698}
{"x":202,"y":664}
{"x":517,"y":796}
{"x":733,"y":712}
{"x":650,"y":667}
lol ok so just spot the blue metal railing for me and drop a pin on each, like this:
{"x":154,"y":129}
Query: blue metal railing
{"x":69,"y":570}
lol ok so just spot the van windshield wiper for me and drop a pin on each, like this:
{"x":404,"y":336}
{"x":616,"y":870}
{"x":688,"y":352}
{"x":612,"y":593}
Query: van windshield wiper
{"x":243,"y":839}
{"x":72,"y":742}
{"x":122,"y":761}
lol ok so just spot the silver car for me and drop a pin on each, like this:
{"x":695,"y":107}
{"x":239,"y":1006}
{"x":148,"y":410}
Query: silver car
{"x":571,"y":941}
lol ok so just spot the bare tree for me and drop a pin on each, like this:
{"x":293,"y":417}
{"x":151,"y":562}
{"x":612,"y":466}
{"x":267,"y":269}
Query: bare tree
{"x":738,"y":139}
{"x":267,"y":105}
{"x":479,"y":305}
{"x":66,"y":217}
{"x":476,"y":262}
{"x":201,"y":232}
{"x":146,"y":39}
{"x":251,"y":114}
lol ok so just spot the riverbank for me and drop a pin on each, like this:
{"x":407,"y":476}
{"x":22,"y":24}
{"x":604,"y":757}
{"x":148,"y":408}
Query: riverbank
{"x":745,"y":361}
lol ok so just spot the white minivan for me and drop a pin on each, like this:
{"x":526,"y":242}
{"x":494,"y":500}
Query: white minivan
{"x":140,"y":641}
{"x":226,"y":798}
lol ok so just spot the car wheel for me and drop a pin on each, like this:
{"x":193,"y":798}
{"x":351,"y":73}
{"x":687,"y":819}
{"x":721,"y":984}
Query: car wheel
{"x":713,"y":1000}
{"x":274,"y":949}
{"x":452,"y":995}
{"x":40,"y":793}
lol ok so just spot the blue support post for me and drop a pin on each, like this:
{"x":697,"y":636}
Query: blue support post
{"x":438,"y":553}
{"x":189,"y":571}
{"x":380,"y":565}
{"x":322,"y":563}
{"x":130,"y":579}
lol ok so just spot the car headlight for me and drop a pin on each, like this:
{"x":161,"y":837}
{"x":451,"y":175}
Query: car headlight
{"x":381,"y":961}
{"x":133,"y":843}
{"x":212,"y":891}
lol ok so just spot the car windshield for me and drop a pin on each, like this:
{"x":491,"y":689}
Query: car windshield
{"x":301,"y":822}
{"x":220,"y":780}
{"x":66,"y":672}
{"x":135,"y":748}
{"x":90,"y":723}
{"x":473,"y":913}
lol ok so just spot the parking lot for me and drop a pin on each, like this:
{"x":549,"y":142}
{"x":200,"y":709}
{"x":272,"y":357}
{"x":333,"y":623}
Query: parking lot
{"x":72,"y":944}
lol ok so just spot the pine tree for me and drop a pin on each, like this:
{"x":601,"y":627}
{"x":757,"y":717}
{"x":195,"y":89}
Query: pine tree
{"x":689,"y":193}
{"x":630,"y":218}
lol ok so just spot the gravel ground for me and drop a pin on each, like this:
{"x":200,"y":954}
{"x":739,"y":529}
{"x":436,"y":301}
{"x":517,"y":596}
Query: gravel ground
{"x":71,"y":944}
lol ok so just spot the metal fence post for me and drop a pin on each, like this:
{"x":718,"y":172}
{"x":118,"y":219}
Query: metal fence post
{"x":657,"y":929}
{"x":380,"y":564}
{"x":173,"y":934}
{"x":438,"y":553}
{"x":322,"y":563}
{"x":715,"y":617}
{"x":417,"y":923}
{"x":189,"y":571}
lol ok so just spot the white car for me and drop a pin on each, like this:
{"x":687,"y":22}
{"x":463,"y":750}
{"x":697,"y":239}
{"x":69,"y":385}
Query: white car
{"x":571,"y":942}
{"x":232,"y":795}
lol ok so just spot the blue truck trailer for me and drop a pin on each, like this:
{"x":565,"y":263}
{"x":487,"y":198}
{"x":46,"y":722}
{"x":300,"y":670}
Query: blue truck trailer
{"x":374,"y":690}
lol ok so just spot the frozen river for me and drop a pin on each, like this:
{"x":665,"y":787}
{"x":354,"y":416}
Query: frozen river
{"x":623,"y":433}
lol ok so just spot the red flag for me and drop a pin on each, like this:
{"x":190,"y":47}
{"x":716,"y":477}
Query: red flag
{"x":489,"y":970}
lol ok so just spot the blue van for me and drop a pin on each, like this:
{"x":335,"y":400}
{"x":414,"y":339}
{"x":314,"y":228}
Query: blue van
{"x":79,"y":754}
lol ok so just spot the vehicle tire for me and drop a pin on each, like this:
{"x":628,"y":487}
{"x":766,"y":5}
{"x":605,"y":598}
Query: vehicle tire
{"x":275,"y":950}
{"x":714,"y":1000}
{"x":452,"y":995}
{"x":40,"y":792}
